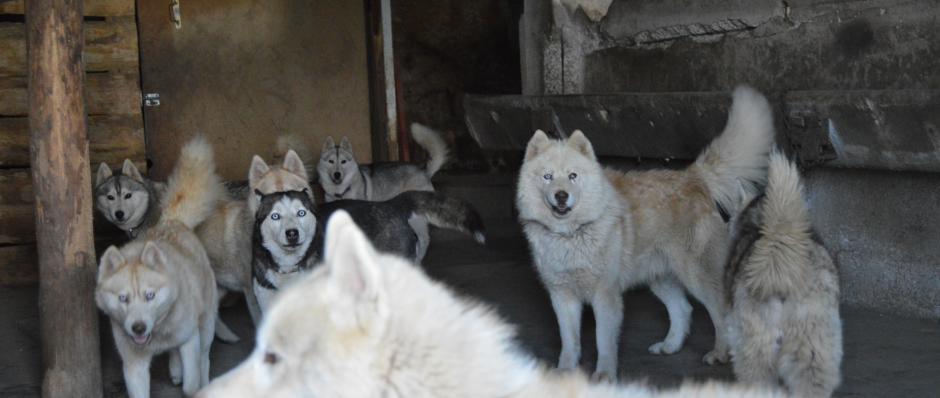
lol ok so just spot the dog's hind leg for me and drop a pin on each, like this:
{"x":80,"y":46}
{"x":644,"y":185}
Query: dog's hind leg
{"x":672,"y":295}
{"x":254,"y":309}
{"x":568,"y":311}
{"x":176,"y":367}
{"x":206,"y":331}
{"x":608,"y":313}
{"x":420,"y":225}
{"x":809,"y":365}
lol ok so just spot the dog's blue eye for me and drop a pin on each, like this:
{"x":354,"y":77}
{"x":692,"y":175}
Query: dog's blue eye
{"x":110,"y":197}
{"x":122,"y":298}
{"x":547,"y":177}
{"x":128,"y":196}
{"x":301,"y":213}
{"x":150,"y":295}
{"x":331,"y":161}
{"x":275,"y":216}
{"x":572,"y":176}
{"x":343,"y":162}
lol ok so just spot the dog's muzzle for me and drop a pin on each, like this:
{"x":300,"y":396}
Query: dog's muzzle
{"x":336,"y":177}
{"x":560,"y":206}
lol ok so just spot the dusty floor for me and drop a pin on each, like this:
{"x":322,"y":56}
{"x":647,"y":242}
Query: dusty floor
{"x":884,"y":355}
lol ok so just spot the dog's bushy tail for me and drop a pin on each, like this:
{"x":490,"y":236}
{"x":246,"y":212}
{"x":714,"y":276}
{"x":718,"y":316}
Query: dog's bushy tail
{"x":294,"y":142}
{"x":734,"y":165}
{"x":446,"y":212}
{"x":432,"y":142}
{"x":194,"y":188}
{"x":780,"y":257}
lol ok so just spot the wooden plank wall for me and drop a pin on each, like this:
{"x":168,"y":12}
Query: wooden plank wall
{"x":112,"y":100}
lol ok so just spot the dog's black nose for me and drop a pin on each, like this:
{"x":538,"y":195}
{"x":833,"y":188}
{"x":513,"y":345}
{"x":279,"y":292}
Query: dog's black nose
{"x":337,"y":176}
{"x":292,"y":235}
{"x":561,"y":197}
{"x":138,"y":327}
{"x":119,"y":215}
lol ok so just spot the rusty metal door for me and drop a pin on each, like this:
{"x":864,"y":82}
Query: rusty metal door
{"x":243,"y":72}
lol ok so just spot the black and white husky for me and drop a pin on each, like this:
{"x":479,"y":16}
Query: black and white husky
{"x":289,"y":230}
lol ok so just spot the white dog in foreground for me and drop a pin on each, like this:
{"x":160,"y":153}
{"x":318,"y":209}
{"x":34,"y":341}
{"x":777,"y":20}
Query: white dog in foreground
{"x":366,"y":324}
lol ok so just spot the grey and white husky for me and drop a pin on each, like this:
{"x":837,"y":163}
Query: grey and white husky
{"x":371,"y":324}
{"x":126,"y":198}
{"x":343,"y":178}
{"x":288,"y":237}
{"x":784,"y":292}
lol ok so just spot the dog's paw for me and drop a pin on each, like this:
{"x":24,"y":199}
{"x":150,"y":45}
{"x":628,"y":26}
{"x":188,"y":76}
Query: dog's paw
{"x":603,"y":376}
{"x":715,"y":357}
{"x":176,"y":379}
{"x":664,"y":348}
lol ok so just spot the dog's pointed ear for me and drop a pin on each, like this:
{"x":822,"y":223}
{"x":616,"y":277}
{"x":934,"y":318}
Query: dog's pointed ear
{"x":579,"y":142}
{"x":355,"y":275}
{"x":294,"y":164}
{"x":328,"y":144}
{"x":537,"y":144}
{"x":257,"y":170}
{"x":110,"y":260}
{"x":130,"y":170}
{"x":153,"y":256}
{"x":345,"y":145}
{"x":104,"y":172}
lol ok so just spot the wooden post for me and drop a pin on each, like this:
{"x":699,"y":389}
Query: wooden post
{"x":68,"y":319}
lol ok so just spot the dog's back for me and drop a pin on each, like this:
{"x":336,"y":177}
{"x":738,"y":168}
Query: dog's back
{"x":784,"y":292}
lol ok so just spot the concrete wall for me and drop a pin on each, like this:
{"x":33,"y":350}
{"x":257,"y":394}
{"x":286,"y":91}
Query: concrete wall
{"x":884,"y":231}
{"x":862,"y":76}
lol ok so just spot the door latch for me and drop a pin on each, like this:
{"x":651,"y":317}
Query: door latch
{"x":152,"y":99}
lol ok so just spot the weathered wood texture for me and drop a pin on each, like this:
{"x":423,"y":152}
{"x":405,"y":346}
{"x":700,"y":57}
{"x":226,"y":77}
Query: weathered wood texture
{"x":62,"y":184}
{"x":113,"y":138}
{"x":109,"y":46}
{"x":103,"y":8}
{"x":105,"y":94}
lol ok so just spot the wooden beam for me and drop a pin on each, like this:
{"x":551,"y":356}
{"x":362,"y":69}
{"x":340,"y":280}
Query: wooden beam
{"x":105,"y":94}
{"x":95,"y":8}
{"x":109,"y":46}
{"x":112,"y":139}
{"x":71,"y":361}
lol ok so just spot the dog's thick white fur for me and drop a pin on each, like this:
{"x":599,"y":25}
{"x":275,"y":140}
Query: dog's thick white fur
{"x":366,"y":324}
{"x":227,"y":233}
{"x":595,"y":232}
{"x":784,"y":322}
{"x":159,"y":290}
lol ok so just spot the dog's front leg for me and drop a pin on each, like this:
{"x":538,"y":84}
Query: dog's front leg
{"x":568,"y":310}
{"x":608,"y":311}
{"x":176,"y":367}
{"x":137,"y":377}
{"x":189,"y":353}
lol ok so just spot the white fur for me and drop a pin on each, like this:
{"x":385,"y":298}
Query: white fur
{"x":615,"y":230}
{"x":365,"y":324}
{"x":432,"y":142}
{"x":159,"y":290}
{"x":785,"y":323}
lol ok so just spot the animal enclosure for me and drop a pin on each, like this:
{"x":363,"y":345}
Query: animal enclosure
{"x":802,"y":134}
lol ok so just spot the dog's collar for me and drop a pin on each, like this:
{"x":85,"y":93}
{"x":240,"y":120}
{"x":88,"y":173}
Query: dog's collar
{"x":340,"y":195}
{"x":133,"y":231}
